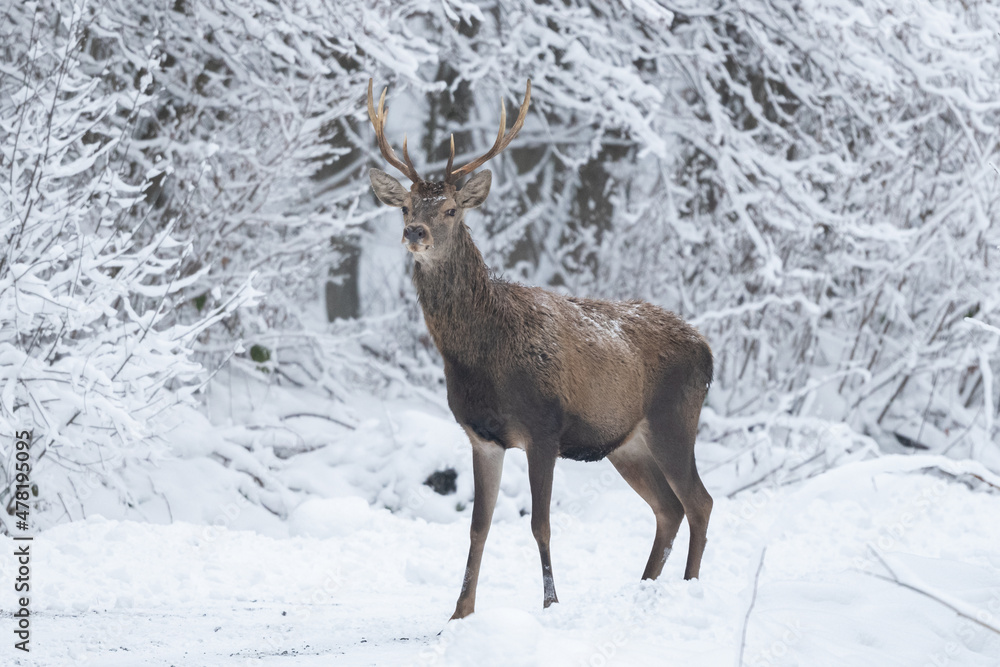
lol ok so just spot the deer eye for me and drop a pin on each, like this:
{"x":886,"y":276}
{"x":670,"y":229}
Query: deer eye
{"x":405,"y":210}
{"x":450,"y":213}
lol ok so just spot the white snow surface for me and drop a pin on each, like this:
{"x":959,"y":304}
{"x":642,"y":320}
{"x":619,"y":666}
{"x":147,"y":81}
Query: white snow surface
{"x":355,"y":584}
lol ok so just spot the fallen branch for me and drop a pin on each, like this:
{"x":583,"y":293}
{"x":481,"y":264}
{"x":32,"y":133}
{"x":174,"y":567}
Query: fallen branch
{"x":753,"y":600}
{"x":318,"y":416}
{"x":896,"y":580}
{"x":769,"y":474}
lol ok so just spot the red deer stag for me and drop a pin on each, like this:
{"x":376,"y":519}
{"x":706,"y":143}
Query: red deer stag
{"x":556,"y":376}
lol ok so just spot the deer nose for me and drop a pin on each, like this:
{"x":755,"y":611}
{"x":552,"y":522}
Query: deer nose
{"x":414,"y":233}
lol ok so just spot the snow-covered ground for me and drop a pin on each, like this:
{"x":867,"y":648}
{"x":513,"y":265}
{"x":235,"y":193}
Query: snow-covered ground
{"x":356,"y":585}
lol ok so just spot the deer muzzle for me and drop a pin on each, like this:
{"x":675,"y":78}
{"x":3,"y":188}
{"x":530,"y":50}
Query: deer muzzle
{"x":417,"y":237}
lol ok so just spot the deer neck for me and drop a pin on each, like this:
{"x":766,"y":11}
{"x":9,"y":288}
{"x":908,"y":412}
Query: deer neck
{"x":458,"y":298}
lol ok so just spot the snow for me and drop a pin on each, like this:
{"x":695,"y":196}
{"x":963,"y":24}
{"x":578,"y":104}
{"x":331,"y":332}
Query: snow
{"x":359,"y":585}
{"x":823,"y":213}
{"x":599,"y":327}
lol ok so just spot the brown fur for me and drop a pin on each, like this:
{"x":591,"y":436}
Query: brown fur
{"x":589,"y":368}
{"x":559,"y":377}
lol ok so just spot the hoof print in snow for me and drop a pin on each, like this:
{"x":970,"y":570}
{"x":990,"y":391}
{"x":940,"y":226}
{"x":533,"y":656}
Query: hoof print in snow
{"x":442,"y":481}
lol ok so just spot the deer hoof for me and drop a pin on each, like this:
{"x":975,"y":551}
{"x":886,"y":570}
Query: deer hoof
{"x":462,"y":611}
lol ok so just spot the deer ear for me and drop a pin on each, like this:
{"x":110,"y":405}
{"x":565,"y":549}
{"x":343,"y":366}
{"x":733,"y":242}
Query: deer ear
{"x":387,"y":188}
{"x":475,"y":191}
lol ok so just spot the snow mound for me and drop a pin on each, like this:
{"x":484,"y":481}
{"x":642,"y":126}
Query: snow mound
{"x":330,"y":517}
{"x":881,"y":562}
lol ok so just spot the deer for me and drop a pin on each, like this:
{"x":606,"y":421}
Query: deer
{"x":556,"y":376}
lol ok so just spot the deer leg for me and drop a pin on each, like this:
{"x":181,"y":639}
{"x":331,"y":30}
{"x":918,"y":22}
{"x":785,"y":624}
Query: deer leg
{"x":698,"y":507}
{"x":541,"y":465}
{"x":638,"y":467}
{"x":487,"y":465}
{"x":672,"y":431}
{"x":694,"y":497}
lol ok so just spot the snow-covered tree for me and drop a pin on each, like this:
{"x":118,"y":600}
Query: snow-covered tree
{"x":90,"y":354}
{"x":812,"y":183}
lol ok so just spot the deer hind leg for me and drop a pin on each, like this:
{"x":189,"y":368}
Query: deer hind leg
{"x":541,"y":465}
{"x":673,"y":425}
{"x":635,"y":462}
{"x":487,"y":466}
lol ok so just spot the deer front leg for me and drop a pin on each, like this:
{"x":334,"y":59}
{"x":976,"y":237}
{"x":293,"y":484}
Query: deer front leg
{"x":487,"y":465}
{"x":541,"y":465}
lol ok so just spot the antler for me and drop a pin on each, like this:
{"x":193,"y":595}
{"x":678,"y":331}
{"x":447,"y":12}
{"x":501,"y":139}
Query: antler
{"x":378,"y":122}
{"x":503,"y":139}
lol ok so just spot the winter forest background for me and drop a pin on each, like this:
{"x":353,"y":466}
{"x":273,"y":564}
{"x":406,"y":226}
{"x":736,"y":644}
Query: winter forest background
{"x":185,"y":202}
{"x":203,"y":303}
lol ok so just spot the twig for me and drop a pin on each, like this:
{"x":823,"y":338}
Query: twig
{"x":65,"y":509}
{"x":166,"y":501}
{"x":753,"y":600}
{"x":895,"y":580}
{"x":987,"y":483}
{"x":968,"y":428}
{"x":83,"y":510}
{"x":957,"y":477}
{"x":770,"y":473}
{"x":318,"y":416}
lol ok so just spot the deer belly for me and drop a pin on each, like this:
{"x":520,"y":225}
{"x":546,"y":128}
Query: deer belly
{"x":585,"y":440}
{"x":602,"y":411}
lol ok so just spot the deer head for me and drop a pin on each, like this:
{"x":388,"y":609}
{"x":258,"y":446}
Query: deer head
{"x":432,"y":210}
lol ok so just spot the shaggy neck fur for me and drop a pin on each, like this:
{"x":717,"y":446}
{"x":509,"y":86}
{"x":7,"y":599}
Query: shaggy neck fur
{"x":459,"y":299}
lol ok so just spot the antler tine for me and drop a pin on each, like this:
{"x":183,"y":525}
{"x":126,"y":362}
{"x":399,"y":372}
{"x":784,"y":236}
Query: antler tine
{"x":451,"y":157}
{"x":378,"y":122}
{"x":504,"y":138}
{"x":409,"y":165}
{"x":498,"y":146}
